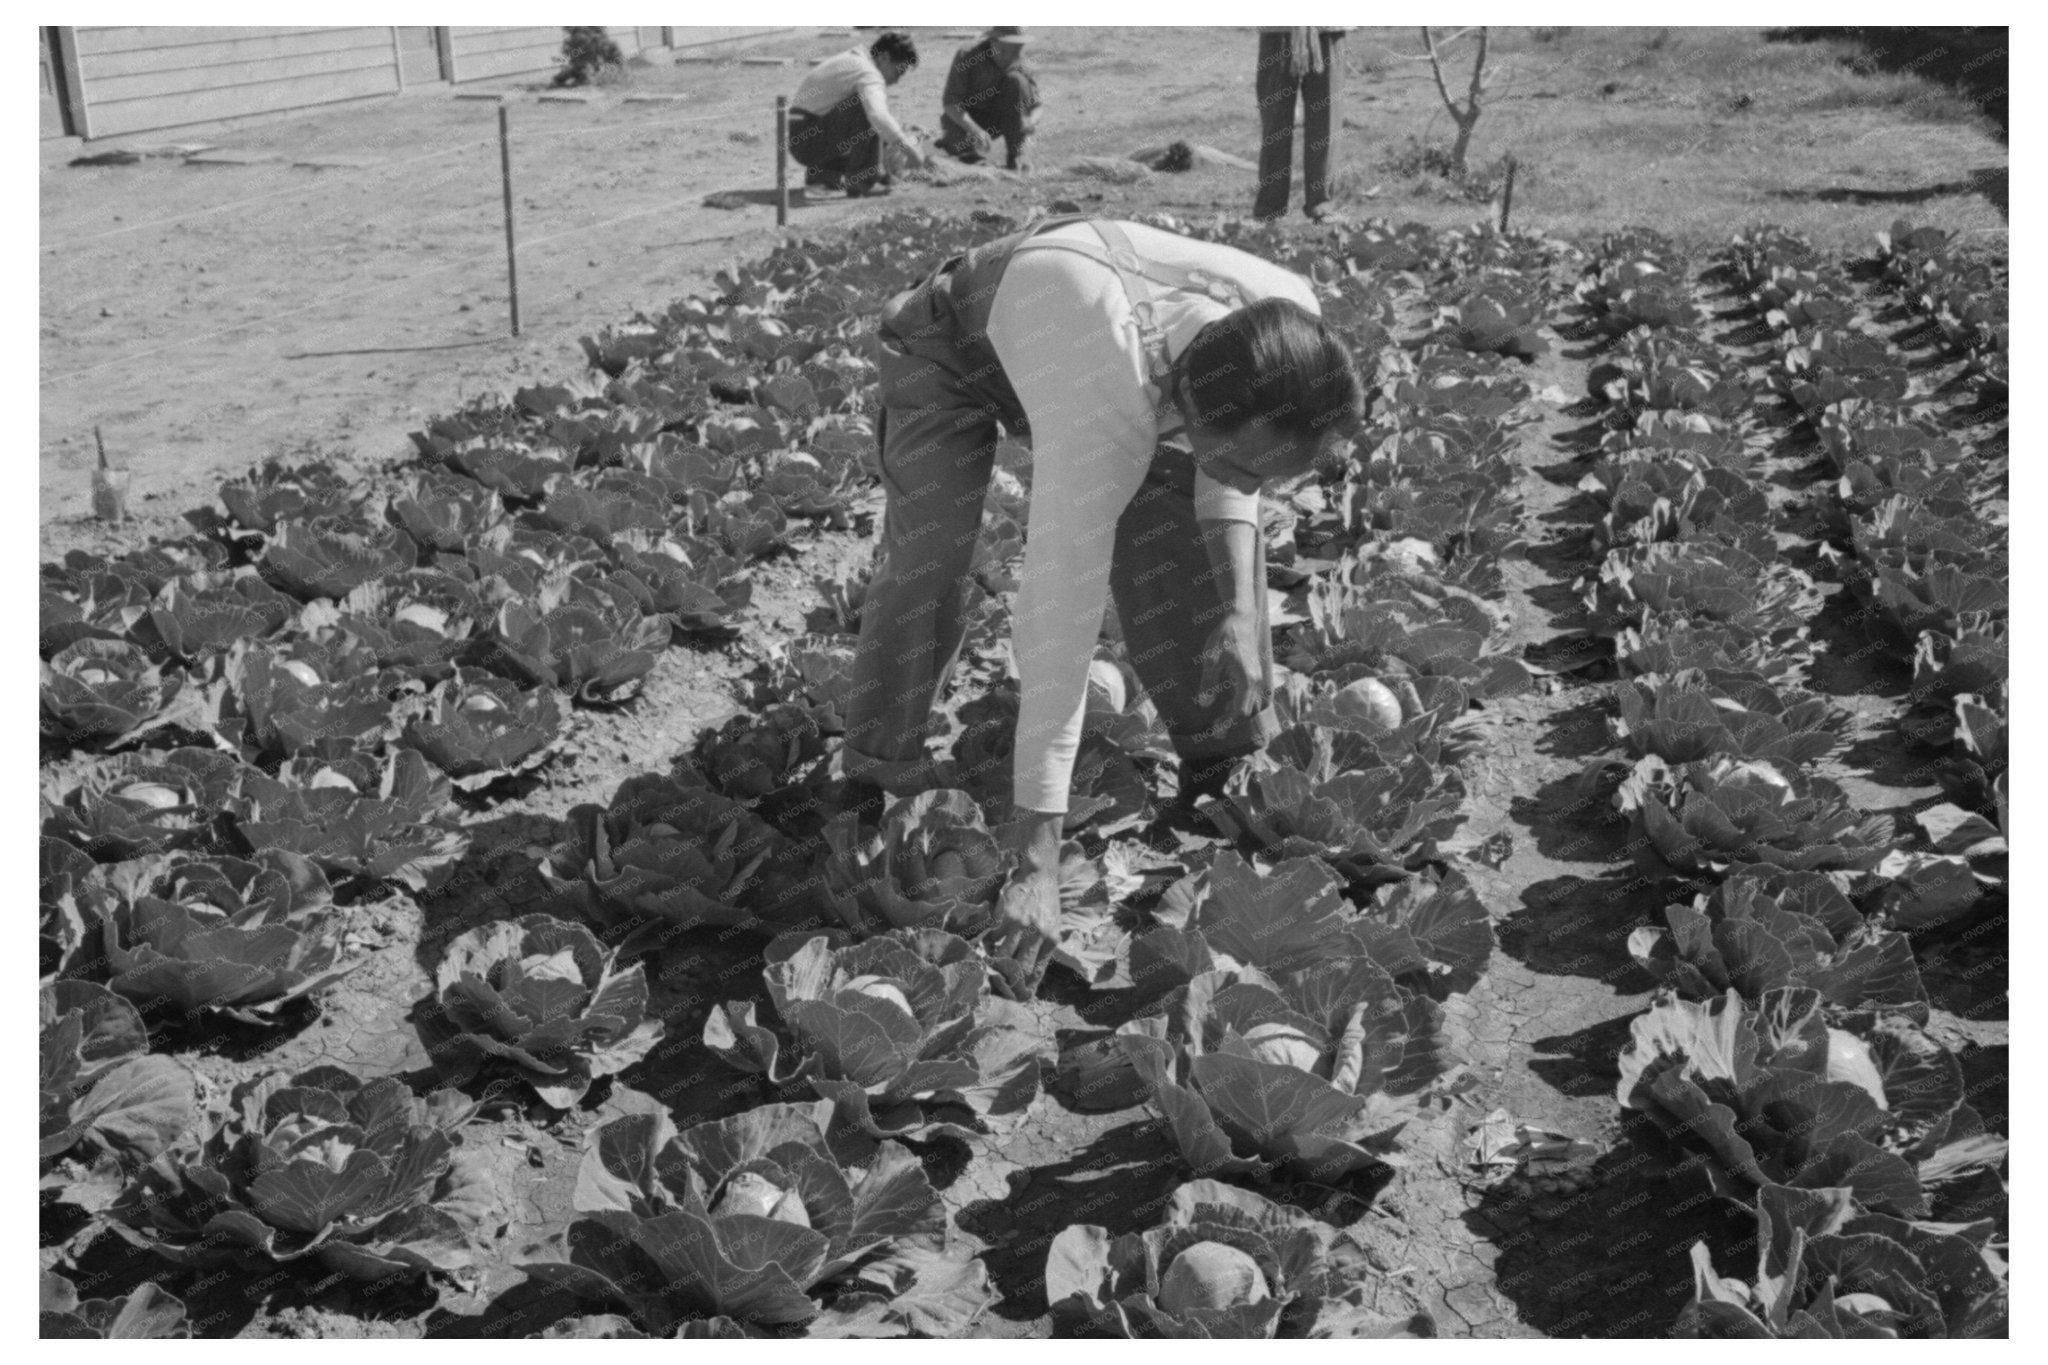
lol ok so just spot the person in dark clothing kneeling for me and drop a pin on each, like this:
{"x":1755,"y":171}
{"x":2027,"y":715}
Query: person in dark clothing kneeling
{"x":989,"y":95}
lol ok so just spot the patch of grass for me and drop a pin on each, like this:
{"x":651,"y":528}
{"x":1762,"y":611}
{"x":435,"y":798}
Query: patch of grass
{"x":1972,"y":63}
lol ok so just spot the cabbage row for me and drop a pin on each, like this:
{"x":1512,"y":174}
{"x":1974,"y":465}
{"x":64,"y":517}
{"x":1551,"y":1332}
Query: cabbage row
{"x":1787,"y":1047}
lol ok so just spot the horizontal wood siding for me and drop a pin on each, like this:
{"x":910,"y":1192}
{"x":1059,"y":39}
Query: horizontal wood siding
{"x":139,"y":78}
{"x":702,"y":34}
{"x":483,"y":54}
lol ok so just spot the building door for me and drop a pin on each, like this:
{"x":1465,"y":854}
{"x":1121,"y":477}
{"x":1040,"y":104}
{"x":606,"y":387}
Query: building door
{"x":422,"y":55}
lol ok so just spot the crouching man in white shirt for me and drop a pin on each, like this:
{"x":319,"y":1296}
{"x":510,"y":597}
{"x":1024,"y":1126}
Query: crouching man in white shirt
{"x":1160,"y":382}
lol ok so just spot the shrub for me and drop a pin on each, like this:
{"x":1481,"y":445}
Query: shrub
{"x":590,"y":57}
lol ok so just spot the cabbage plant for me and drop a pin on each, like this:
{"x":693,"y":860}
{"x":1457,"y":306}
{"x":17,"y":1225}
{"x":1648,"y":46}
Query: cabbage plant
{"x":1683,"y":499}
{"x":1753,"y":935}
{"x":1943,"y":597}
{"x":1659,"y":649}
{"x":1387,"y":632}
{"x":290,"y":696}
{"x":750,"y":1224}
{"x":138,"y":804}
{"x":276,"y":494}
{"x":1673,"y":373}
{"x":99,"y":693}
{"x":1224,"y":1263}
{"x":1498,"y":311}
{"x":92,"y":601}
{"x":691,"y":581}
{"x":441,"y":510}
{"x":479,"y":728}
{"x":540,"y":1000}
{"x":604,"y":505}
{"x":1704,"y":817}
{"x":1777,"y":1096}
{"x":240,"y":937}
{"x":752,"y":757}
{"x":1286,"y":1045}
{"x":332,"y":556}
{"x":673,"y":854}
{"x":1703,"y":582}
{"x":145,"y":1313}
{"x":1827,"y":1269}
{"x":932,"y":864}
{"x":818,"y":670}
{"x":356,"y":815}
{"x":1375,"y":823}
{"x":418,"y":620}
{"x":582,"y":634}
{"x":899,"y":1031}
{"x":321,"y":1166}
{"x":204,"y":615}
{"x":1684,"y":718}
{"x":816,"y":487}
{"x":64,"y":874}
{"x":107,"y":1101}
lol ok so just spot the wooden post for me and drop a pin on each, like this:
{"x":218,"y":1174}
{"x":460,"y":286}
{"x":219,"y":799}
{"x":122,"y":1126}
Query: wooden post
{"x":782,"y":161}
{"x":109,"y":486}
{"x":398,"y":58}
{"x":511,"y":238}
{"x":1507,"y":195}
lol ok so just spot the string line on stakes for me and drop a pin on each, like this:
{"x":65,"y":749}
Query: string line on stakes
{"x":365,"y":292}
{"x":527,"y":130}
{"x":347,"y":173}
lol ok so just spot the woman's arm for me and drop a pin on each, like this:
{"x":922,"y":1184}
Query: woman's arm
{"x":1231,"y":545}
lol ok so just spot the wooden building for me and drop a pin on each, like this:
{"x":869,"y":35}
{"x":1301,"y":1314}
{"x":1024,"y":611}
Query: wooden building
{"x":108,"y":82}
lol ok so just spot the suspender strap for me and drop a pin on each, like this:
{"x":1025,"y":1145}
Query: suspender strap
{"x":1137,"y":275}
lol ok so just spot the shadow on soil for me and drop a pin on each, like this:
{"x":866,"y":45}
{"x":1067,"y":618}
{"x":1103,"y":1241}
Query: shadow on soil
{"x":1573,"y":926}
{"x":1120,"y":1181}
{"x":1582,"y":1062}
{"x":1608,"y":1259}
{"x":1570,"y":820}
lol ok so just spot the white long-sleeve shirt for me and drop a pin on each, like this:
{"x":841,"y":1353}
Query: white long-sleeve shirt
{"x":851,"y":72}
{"x":1061,"y":326}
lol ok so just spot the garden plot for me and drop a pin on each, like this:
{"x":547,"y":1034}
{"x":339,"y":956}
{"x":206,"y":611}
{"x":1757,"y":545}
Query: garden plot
{"x":1628,"y":879}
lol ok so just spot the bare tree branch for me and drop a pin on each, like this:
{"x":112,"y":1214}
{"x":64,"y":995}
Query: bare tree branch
{"x":1436,"y":69}
{"x":1467,"y":115}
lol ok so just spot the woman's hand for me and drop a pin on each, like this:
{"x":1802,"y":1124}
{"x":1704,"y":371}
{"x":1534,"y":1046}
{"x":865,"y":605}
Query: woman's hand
{"x":1232,"y":666}
{"x":1028,"y":911}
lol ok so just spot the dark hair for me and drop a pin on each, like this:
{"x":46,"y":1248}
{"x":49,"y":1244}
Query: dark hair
{"x":897,"y":47}
{"x":1272,"y":359}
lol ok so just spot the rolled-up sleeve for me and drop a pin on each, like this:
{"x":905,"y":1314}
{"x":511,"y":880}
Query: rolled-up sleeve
{"x":1220,"y":502}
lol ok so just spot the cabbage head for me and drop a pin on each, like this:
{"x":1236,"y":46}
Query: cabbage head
{"x":541,"y":1000}
{"x":933,"y":864}
{"x":900,"y":1031}
{"x":99,"y":693}
{"x":750,"y":1224}
{"x":1224,"y":1263}
{"x":322,"y":1167}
